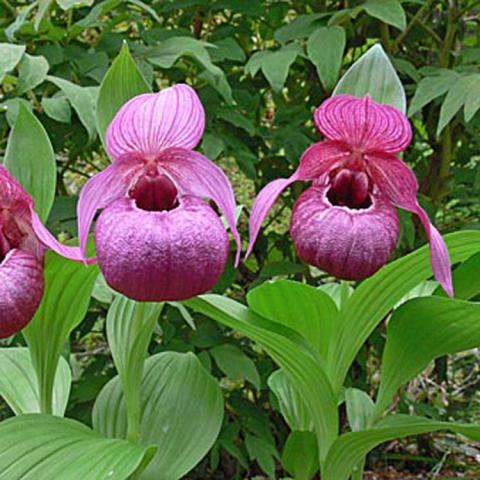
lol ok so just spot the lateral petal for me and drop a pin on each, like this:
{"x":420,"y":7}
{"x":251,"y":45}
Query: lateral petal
{"x":397,"y":181}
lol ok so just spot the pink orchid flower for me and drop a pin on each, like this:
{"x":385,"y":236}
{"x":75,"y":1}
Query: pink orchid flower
{"x":23,"y":242}
{"x":157,"y":238}
{"x":346,"y":223}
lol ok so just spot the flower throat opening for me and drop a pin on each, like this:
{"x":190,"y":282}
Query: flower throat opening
{"x":10,"y":234}
{"x":350,"y":189}
{"x":154,"y":192}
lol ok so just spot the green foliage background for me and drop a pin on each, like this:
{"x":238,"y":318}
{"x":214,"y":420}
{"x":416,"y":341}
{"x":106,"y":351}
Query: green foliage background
{"x":260,"y":67}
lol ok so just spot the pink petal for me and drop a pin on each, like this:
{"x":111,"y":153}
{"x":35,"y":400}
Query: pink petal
{"x":161,"y":255}
{"x":196,"y":175}
{"x":101,"y":190}
{"x":321,"y":158}
{"x":152,"y":122}
{"x":12,"y":195}
{"x":263,"y":203}
{"x":44,"y":235}
{"x":363,"y":124}
{"x":399,"y":184}
{"x":350,"y":244}
{"x":21,"y":290}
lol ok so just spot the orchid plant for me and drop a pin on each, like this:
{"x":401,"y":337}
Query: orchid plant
{"x":157,"y":240}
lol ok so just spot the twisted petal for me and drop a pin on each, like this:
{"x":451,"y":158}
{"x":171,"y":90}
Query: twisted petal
{"x":348,"y":243}
{"x":152,"y":122}
{"x":399,"y":184}
{"x":195,"y":174}
{"x":101,"y":190}
{"x":21,"y":290}
{"x":160,"y":256}
{"x":364,"y":124}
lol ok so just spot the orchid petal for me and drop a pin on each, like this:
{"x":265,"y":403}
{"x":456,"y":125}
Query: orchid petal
{"x":152,"y":122}
{"x":101,"y":190}
{"x":263,"y":203}
{"x":12,"y":194}
{"x":321,"y":158}
{"x":196,"y":175}
{"x":364,"y":124}
{"x":397,"y":181}
{"x":44,"y":235}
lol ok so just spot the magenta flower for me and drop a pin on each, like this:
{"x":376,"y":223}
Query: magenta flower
{"x":346,"y":222}
{"x":23,"y":241}
{"x":157,"y":238}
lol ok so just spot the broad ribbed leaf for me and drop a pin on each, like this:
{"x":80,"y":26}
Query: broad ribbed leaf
{"x":291,"y":404}
{"x":41,"y":447}
{"x":373,"y":74}
{"x":290,"y":351}
{"x":420,"y":331}
{"x":19,"y":385}
{"x":350,"y":449}
{"x":129,"y":330}
{"x":122,"y":82}
{"x":376,"y":296}
{"x":30,"y":159}
{"x":299,"y":456}
{"x":309,"y":311}
{"x":68,"y":287}
{"x":359,"y":408}
{"x":182,"y":412}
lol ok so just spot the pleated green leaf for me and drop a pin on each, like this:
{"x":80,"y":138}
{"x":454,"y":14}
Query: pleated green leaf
{"x":19,"y":386}
{"x":420,"y":331}
{"x":350,"y":449}
{"x":182,"y":412}
{"x":68,"y":287}
{"x":41,"y":447}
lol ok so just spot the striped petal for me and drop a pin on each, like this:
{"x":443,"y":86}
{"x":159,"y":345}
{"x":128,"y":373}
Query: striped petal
{"x":363,"y":124}
{"x":152,"y":122}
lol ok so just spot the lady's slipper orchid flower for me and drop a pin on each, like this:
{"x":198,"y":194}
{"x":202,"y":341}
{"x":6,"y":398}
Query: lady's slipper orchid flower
{"x":346,"y":222}
{"x":157,"y":238}
{"x":23,"y":241}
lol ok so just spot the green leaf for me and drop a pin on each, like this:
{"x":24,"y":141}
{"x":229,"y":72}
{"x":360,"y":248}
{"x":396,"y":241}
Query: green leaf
{"x":35,"y":447}
{"x":57,"y":108}
{"x":291,"y":404}
{"x":19,"y":386}
{"x":263,"y":452}
{"x":454,"y":100}
{"x":299,"y":456}
{"x":32,"y":71}
{"x":303,"y":308}
{"x":359,"y":409}
{"x":291,"y":353}
{"x":430,"y":88}
{"x":325,"y":49}
{"x":377,"y":295}
{"x":350,"y":449}
{"x":30,"y":158}
{"x":420,"y":331}
{"x":388,"y":11}
{"x":373,"y":74}
{"x":10,"y":55}
{"x":274,"y":65}
{"x":472,"y":100}
{"x":227,"y":49}
{"x":129,"y":331}
{"x":82,"y":99}
{"x":68,"y":287}
{"x":300,"y":27}
{"x":43,"y":7}
{"x":68,"y":4}
{"x":122,"y":82}
{"x":235,"y":364}
{"x":182,"y":412}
